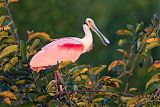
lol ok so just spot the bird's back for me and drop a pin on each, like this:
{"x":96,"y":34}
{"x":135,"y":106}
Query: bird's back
{"x":62,"y":49}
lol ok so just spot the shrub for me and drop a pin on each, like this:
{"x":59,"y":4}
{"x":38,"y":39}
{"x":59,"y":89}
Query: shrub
{"x":78,"y":85}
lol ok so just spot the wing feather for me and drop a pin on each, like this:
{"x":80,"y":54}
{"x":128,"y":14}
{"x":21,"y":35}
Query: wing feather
{"x":58,"y":50}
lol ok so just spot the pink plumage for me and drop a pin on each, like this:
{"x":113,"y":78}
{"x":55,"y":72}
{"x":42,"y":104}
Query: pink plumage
{"x":65,"y":49}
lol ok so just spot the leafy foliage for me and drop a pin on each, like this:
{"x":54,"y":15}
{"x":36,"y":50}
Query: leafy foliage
{"x":77,"y":85}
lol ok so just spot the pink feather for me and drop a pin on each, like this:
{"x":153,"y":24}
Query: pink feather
{"x":62,"y":49}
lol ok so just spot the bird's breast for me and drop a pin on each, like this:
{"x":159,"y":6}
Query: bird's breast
{"x":90,"y":48}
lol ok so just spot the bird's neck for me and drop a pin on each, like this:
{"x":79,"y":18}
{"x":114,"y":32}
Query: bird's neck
{"x":87,"y":40}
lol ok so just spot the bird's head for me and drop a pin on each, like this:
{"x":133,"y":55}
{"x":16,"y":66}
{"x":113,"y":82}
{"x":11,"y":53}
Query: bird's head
{"x":90,"y":23}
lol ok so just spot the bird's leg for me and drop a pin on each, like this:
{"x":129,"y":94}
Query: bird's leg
{"x":56,"y":79}
{"x":59,"y":78}
{"x":56,"y":82}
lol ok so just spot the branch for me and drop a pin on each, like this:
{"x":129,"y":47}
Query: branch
{"x":80,"y":91}
{"x":11,"y":18}
{"x":132,"y":68}
{"x":136,"y":58}
{"x":85,"y":91}
{"x":122,"y":75}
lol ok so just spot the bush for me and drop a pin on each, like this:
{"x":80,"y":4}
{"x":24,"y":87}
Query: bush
{"x":78,"y":85}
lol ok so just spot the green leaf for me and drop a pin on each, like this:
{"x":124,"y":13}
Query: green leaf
{"x":74,"y":99}
{"x":151,"y":68}
{"x":7,"y":67}
{"x":155,"y":78}
{"x":41,"y":98}
{"x":139,"y":26}
{"x":81,"y":104}
{"x":111,"y":89}
{"x":12,"y":1}
{"x":104,"y":87}
{"x":116,"y":63}
{"x":115,"y":80}
{"x":97,"y":100}
{"x":93,"y":69}
{"x":131,"y":102}
{"x":1,"y":37}
{"x":64,"y":64}
{"x":123,"y":52}
{"x":11,"y":63}
{"x":82,"y":77}
{"x":96,"y":70}
{"x":139,"y":43}
{"x":132,"y":89}
{"x":70,"y":71}
{"x":92,"y":77}
{"x":75,"y":88}
{"x":5,"y":60}
{"x":42,"y":35}
{"x":122,"y":42}
{"x":51,"y":89}
{"x":9,"y":39}
{"x":23,"y":49}
{"x":3,"y":46}
{"x":8,"y":50}
{"x":149,"y":29}
{"x":24,"y":81}
{"x":3,"y":34}
{"x":151,"y":45}
{"x":20,"y":82}
{"x":130,"y":27}
{"x":2,"y":19}
{"x":14,"y":60}
{"x":29,"y":87}
{"x":124,"y":32}
{"x":35,"y":43}
{"x":79,"y":71}
{"x":155,"y":20}
{"x":151,"y":89}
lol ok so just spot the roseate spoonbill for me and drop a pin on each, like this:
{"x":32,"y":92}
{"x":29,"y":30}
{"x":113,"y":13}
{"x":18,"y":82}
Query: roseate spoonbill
{"x":69,"y":48}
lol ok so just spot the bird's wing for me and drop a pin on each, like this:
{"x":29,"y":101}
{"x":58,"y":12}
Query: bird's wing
{"x":63,"y":41}
{"x":59,"y":50}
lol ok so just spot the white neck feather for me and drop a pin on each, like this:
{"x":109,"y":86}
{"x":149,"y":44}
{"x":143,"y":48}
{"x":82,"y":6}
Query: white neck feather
{"x":87,"y":40}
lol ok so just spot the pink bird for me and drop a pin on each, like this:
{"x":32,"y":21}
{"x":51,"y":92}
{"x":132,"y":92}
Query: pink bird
{"x":66,"y":49}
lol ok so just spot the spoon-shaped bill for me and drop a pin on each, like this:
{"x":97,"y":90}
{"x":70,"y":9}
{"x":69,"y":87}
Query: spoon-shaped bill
{"x":104,"y":40}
